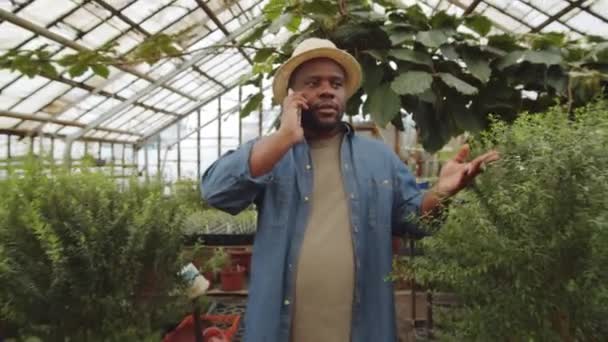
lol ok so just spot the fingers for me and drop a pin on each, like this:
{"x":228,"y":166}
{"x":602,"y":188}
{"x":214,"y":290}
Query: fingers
{"x":463,"y":154}
{"x":478,"y":164}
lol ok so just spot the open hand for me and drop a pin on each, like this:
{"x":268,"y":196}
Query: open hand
{"x":458,"y":173}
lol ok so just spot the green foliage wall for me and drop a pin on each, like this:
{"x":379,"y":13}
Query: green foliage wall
{"x":450,"y":72}
{"x":83,"y":260}
{"x":526,"y":250}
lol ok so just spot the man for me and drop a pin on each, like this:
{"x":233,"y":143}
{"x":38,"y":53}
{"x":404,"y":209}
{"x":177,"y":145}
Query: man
{"x":328,"y":200}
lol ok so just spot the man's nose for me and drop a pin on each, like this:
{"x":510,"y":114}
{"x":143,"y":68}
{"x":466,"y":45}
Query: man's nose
{"x":326,"y":90}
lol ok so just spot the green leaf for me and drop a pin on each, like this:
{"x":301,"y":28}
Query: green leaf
{"x":262,"y":55}
{"x":384,"y":104}
{"x":412,"y":82}
{"x":320,"y":7}
{"x":449,"y":52}
{"x":48,"y":70}
{"x":255,"y":35}
{"x":535,"y":57}
{"x":101,"y":70}
{"x":378,"y":55}
{"x":479,"y":24}
{"x":280,"y":22}
{"x":170,"y":50}
{"x":77,"y":70}
{"x":68,"y":60}
{"x":372,"y":76}
{"x":294,"y":24}
{"x":412,"y":56}
{"x":253,"y":104}
{"x":274,"y":8}
{"x":548,"y":40}
{"x":398,"y":38}
{"x":504,"y":42}
{"x":478,"y":67}
{"x":353,"y":105}
{"x":432,"y":38}
{"x":458,"y":84}
{"x":442,"y":20}
{"x":416,"y":17}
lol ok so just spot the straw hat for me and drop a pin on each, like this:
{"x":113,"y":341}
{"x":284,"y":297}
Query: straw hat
{"x":312,"y":48}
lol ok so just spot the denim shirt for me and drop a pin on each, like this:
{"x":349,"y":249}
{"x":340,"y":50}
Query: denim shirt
{"x":381,"y":192}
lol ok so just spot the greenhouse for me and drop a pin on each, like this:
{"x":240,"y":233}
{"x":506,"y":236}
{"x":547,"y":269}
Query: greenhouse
{"x":303,"y":170}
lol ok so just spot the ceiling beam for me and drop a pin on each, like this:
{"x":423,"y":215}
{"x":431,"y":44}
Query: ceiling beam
{"x":471,"y":7}
{"x":25,"y":133}
{"x":221,"y":26}
{"x":557,"y":15}
{"x":8,"y":16}
{"x":46,"y":119}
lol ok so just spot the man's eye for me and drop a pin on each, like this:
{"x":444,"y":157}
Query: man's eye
{"x":337,"y":84}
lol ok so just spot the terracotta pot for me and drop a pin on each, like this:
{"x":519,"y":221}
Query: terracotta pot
{"x":233,"y":278}
{"x":211,"y":277}
{"x":396,"y":245}
{"x":241,"y":257}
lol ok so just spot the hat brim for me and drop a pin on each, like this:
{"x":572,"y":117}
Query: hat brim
{"x":348,"y":62}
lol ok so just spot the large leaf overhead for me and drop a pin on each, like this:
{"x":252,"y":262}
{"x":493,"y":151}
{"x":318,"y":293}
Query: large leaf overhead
{"x":412,"y":56}
{"x":384,"y":104}
{"x":432,"y":38}
{"x":449,"y":71}
{"x":458,"y":84}
{"x":412,"y":83}
{"x":478,"y":66}
{"x":546,"y":57}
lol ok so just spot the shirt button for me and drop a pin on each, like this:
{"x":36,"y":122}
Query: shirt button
{"x":385,"y":181}
{"x":308,"y":167}
{"x":352,"y":196}
{"x":356,"y":229}
{"x":286,"y":302}
{"x":305,"y":198}
{"x":345,"y":166}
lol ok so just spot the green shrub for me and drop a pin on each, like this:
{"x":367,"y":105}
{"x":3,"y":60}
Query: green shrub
{"x":526,"y":250}
{"x":83,"y":260}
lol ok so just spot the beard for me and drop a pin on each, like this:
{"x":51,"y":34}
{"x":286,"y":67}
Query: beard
{"x":312,"y":122}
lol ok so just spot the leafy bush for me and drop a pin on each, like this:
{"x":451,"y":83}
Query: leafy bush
{"x":527,"y":250}
{"x":80,"y":259}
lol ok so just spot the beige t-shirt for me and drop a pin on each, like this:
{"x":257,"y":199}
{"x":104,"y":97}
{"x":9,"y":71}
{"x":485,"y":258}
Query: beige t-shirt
{"x":325,"y":269}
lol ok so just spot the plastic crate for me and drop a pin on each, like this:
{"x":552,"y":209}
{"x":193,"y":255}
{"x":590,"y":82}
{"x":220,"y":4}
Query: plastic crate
{"x":228,"y":324}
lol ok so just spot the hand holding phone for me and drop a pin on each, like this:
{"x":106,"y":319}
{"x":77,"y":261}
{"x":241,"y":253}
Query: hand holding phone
{"x":291,"y":116}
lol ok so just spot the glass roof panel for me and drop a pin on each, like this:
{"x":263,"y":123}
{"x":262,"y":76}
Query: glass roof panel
{"x":12,"y":35}
{"x":589,"y":24}
{"x":140,"y":10}
{"x":6,"y":122}
{"x":41,"y":98}
{"x":85,"y":19}
{"x":43,"y":12}
{"x":160,"y":19}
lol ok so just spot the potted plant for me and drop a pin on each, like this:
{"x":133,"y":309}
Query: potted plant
{"x":215,"y":264}
{"x":526,"y":248}
{"x":233,"y":278}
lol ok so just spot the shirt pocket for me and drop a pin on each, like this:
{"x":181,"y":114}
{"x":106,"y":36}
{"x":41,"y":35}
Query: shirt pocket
{"x":277,"y":202}
{"x":380,"y":203}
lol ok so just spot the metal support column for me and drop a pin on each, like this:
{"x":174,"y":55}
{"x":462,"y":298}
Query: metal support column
{"x":219,"y":126}
{"x":146,"y":164}
{"x":179,"y":151}
{"x":240,"y":118}
{"x":124,"y":160}
{"x":198,"y":146}
{"x":158,"y":158}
